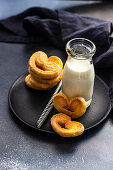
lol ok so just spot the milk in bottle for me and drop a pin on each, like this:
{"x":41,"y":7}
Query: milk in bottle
{"x":78,"y":74}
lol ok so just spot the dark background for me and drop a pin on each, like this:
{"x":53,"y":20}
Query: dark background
{"x":23,"y":148}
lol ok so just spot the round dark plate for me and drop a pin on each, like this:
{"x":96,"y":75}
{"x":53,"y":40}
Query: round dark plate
{"x":27,"y":104}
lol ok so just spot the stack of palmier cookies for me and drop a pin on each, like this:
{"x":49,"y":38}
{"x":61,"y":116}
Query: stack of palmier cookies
{"x":44,"y":72}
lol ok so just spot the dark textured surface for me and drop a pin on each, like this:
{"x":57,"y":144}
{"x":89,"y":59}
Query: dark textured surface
{"x":22,"y":147}
{"x":27,"y":104}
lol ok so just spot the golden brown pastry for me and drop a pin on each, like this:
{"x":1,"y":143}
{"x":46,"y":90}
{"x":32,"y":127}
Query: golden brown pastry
{"x":45,"y":72}
{"x":43,"y":67}
{"x":63,"y":125}
{"x":32,"y":83}
{"x":74,"y":107}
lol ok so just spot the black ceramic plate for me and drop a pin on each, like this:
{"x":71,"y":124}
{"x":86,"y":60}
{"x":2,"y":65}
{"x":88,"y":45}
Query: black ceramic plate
{"x":27,"y":104}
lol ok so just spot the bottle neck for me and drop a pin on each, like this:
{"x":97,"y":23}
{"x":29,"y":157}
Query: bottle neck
{"x":79,"y":58}
{"x":80,"y":48}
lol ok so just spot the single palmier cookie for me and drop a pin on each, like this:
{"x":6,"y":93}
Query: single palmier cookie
{"x":47,"y":81}
{"x":62,"y":124}
{"x":32,"y":83}
{"x":43,"y":67}
{"x":74,"y":107}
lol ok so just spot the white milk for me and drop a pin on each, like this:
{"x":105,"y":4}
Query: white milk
{"x":78,"y":79}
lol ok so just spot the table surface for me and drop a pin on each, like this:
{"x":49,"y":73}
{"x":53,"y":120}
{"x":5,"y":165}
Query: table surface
{"x":21,"y":147}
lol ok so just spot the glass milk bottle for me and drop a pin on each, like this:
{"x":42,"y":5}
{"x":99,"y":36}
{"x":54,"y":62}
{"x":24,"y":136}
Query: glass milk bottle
{"x":78,"y":75}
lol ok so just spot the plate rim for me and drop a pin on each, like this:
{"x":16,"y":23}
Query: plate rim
{"x":52,"y":132}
